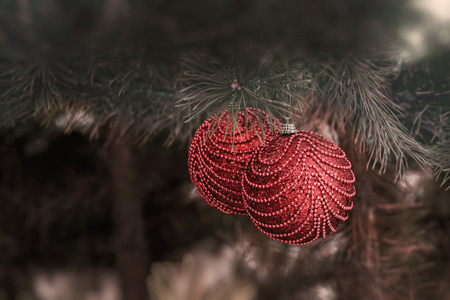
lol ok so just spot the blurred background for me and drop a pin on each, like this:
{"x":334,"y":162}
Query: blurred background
{"x":96,"y":202}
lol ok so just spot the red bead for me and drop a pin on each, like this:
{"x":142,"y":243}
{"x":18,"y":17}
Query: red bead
{"x":298,"y":187}
{"x":216,"y":165}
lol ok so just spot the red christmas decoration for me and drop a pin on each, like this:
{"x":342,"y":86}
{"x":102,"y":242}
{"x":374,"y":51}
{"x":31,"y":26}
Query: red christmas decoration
{"x":298,"y":187}
{"x":216,"y":165}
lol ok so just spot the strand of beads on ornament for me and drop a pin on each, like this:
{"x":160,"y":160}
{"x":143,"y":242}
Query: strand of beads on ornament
{"x":298,"y":187}
{"x":219,"y":154}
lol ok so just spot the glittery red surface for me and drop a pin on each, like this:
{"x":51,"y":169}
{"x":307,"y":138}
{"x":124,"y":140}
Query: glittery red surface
{"x":298,"y":187}
{"x":216,"y":167}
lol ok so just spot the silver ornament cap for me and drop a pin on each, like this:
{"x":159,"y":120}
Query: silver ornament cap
{"x":288,"y":129}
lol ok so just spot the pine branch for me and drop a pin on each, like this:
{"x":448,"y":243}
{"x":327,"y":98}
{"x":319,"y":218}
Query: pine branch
{"x":141,"y":114}
{"x":42,"y":86}
{"x":357,"y":85}
{"x":30,"y":86}
{"x":272,"y":87}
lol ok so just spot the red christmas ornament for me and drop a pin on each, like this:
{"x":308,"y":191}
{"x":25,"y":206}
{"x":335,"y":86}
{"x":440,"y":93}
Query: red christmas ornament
{"x":216,"y":165}
{"x":298,"y":187}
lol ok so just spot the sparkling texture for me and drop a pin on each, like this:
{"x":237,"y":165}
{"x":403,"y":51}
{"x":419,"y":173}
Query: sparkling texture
{"x":298,"y":187}
{"x":216,"y":165}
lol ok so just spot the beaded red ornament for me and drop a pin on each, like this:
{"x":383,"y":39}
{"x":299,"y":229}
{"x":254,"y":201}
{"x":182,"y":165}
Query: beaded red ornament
{"x":216,"y":165}
{"x":298,"y":187}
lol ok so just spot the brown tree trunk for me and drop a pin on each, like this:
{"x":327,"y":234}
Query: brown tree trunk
{"x":131,"y":253}
{"x":360,"y":276}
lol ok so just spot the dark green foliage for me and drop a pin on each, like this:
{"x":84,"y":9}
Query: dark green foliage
{"x":122,"y":65}
{"x":423,"y":90}
{"x":356,"y":85}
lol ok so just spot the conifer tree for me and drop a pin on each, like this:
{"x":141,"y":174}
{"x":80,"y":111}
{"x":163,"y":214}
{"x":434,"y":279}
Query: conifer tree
{"x":124,"y":73}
